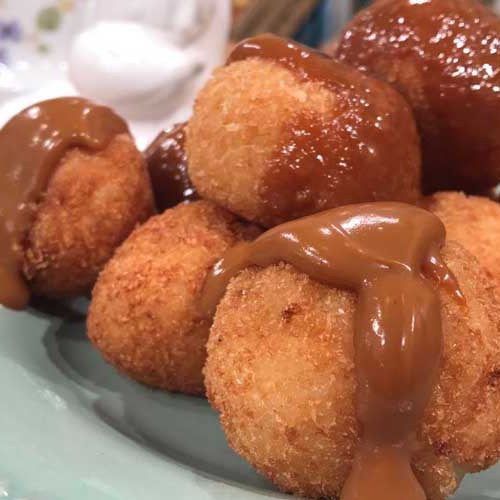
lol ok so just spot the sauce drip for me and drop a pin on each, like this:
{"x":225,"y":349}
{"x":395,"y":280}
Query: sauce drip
{"x":389,"y":254}
{"x":167,"y":164}
{"x":338,"y":157}
{"x":31,"y":146}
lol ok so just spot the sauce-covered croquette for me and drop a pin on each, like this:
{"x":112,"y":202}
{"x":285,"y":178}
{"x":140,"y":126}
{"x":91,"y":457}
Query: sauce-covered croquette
{"x":442,"y":55}
{"x":389,"y":253}
{"x":93,"y":202}
{"x":281,"y":372}
{"x":282,"y":131}
{"x":144,"y":315}
{"x":73,"y":187}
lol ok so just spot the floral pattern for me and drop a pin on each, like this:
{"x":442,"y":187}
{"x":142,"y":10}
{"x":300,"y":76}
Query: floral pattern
{"x":10,"y":31}
{"x":48,"y":19}
{"x":3,"y":55}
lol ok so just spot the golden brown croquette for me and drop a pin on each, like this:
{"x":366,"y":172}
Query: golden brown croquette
{"x":144,"y":315}
{"x":280,"y":371}
{"x":271,"y":147}
{"x":473,"y":221}
{"x":92,"y":203}
{"x":442,"y":55}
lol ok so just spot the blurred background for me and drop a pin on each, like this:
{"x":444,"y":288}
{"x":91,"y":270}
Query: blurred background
{"x":313,"y":22}
{"x":145,"y":58}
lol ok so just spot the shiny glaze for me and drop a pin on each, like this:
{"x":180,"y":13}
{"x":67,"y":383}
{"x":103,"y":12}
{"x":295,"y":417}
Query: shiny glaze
{"x":494,"y":194}
{"x":336,"y":158}
{"x":31,"y":145}
{"x":443,"y":55}
{"x":389,"y":253}
{"x":167,"y":165}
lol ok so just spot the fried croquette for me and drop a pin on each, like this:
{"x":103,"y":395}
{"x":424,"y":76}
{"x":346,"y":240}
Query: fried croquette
{"x":473,"y":221}
{"x":442,"y":55}
{"x":144,"y":315}
{"x":280,"y":371}
{"x":92,"y":203}
{"x":272,"y":145}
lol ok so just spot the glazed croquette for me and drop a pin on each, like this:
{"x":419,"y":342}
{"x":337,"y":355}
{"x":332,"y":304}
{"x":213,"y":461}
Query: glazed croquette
{"x":442,"y":55}
{"x":92,"y":203}
{"x":272,"y":146}
{"x":144,"y":315}
{"x":280,"y":371}
{"x":473,"y":221}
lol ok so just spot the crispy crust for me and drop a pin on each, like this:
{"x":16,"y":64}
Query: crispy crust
{"x":280,"y":372}
{"x":236,"y":124}
{"x":144,"y":314}
{"x":473,"y":221}
{"x":246,"y":112}
{"x":93,"y":202}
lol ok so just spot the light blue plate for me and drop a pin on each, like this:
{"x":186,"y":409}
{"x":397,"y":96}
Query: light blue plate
{"x":71,"y":428}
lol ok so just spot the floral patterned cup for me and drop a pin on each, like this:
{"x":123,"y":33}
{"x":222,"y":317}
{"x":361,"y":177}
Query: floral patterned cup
{"x":35,"y":36}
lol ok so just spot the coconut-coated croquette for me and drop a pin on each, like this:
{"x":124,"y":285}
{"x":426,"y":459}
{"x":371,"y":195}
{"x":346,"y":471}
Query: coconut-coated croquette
{"x":144,"y":315}
{"x":92,"y":203}
{"x":280,"y":371}
{"x":473,"y":221}
{"x":442,"y":55}
{"x":272,"y":147}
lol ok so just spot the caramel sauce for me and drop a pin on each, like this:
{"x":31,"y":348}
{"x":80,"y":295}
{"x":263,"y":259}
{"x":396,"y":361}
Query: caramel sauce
{"x":31,"y":145}
{"x":167,"y":164}
{"x":389,"y":253}
{"x":332,"y":159}
{"x":444,"y":57}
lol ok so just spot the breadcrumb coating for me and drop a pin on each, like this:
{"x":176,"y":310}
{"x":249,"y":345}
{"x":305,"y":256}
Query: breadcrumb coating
{"x":250,"y":114}
{"x":93,"y":202}
{"x":280,"y":371}
{"x":144,"y":315}
{"x":473,"y":221}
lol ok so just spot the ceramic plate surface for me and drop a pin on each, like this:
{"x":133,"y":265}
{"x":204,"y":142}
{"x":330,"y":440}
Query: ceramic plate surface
{"x":71,"y":428}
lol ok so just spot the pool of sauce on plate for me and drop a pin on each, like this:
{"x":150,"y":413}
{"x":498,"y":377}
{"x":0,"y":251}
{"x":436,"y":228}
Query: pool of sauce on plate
{"x":389,"y":253}
{"x":31,"y":145}
{"x":167,"y":165}
{"x":323,"y":161}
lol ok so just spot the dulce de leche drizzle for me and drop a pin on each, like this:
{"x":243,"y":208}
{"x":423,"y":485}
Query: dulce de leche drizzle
{"x":329,"y":159}
{"x":389,"y":254}
{"x":166,"y":159}
{"x":310,"y":64}
{"x":31,"y":145}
